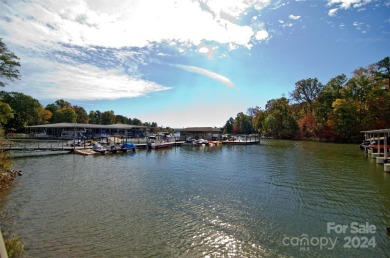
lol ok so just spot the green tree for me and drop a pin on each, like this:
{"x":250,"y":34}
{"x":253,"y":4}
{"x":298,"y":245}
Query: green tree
{"x":26,"y":109}
{"x":382,"y":71}
{"x":5,"y":113}
{"x":8,"y":64}
{"x":332,"y":90}
{"x":64,"y":115}
{"x":307,"y":91}
{"x":94,"y":117}
{"x":279,"y":121}
{"x":242,"y":124}
{"x":257,"y":119}
{"x":228,"y":127}
{"x":136,"y":121}
{"x":52,"y":107}
{"x":82,"y":116}
{"x":108,"y":117}
{"x":343,"y":119}
{"x":119,"y":119}
{"x":361,"y":89}
{"x":63,"y":104}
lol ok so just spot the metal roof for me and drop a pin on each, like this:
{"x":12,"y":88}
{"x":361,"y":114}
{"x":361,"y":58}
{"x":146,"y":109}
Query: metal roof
{"x":200,"y":129}
{"x":377,"y":131}
{"x":78,"y":125}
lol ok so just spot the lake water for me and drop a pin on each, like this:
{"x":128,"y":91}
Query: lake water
{"x":276,"y":199}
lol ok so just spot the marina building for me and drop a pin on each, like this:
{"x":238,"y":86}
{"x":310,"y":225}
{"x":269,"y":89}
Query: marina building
{"x":77,"y":130}
{"x":207,"y":133}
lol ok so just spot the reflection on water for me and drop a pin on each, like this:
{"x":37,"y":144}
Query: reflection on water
{"x":197,"y":202}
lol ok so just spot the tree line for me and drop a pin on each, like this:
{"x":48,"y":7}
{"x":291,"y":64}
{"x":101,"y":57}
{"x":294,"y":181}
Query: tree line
{"x":336,"y":111}
{"x":19,"y":110}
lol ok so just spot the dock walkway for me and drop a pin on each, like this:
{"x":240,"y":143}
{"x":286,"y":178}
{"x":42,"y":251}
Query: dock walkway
{"x":30,"y":144}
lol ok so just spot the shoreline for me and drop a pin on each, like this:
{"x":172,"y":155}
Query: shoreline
{"x":7,"y":177}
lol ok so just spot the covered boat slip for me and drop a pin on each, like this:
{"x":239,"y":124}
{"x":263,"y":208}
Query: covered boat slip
{"x":379,"y":146}
{"x":77,"y":130}
{"x":207,"y":133}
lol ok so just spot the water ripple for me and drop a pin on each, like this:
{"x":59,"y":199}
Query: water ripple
{"x":230,"y":201}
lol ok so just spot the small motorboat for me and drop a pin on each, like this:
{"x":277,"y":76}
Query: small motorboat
{"x":365,"y":145}
{"x":98,"y":148}
{"x":154,"y":143}
{"x":380,"y":144}
{"x":128,"y":146}
{"x":113,"y":149}
{"x":200,"y":142}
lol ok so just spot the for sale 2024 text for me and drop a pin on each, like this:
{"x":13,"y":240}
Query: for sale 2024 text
{"x":356,"y":235}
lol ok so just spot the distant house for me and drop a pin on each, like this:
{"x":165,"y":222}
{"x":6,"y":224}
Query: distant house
{"x":208,"y":133}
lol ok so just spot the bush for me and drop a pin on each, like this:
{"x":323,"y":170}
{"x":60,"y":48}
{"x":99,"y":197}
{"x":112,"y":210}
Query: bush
{"x":14,"y":247}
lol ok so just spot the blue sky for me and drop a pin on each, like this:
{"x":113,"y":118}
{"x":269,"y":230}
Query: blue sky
{"x":187,"y":62}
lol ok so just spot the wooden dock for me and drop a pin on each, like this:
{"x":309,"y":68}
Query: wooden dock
{"x":85,"y":152}
{"x":35,"y":153}
{"x":240,"y":142}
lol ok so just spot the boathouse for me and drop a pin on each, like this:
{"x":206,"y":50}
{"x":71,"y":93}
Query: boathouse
{"x":379,"y":146}
{"x":208,"y":133}
{"x":71,"y":130}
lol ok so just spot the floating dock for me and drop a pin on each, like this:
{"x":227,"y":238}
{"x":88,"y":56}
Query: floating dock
{"x":85,"y":151}
{"x":240,"y":142}
{"x":43,"y":147}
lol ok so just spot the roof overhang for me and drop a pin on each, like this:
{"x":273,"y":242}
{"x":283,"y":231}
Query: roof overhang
{"x":380,"y":131}
{"x":89,"y":126}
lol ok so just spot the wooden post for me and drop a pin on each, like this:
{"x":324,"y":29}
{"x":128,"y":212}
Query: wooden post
{"x":74,"y":135}
{"x":379,"y":141}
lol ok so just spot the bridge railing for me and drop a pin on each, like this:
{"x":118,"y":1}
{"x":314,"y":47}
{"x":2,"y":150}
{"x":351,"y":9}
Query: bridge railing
{"x":31,"y":144}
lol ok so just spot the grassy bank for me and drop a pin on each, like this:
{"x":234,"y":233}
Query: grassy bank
{"x":7,"y":174}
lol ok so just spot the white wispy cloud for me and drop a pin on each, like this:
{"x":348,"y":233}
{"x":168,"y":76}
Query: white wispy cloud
{"x":128,"y":23}
{"x":332,"y":12}
{"x":360,"y":26}
{"x":64,"y":34}
{"x":50,"y":80}
{"x":294,"y":17}
{"x":345,"y":4}
{"x":215,"y":76}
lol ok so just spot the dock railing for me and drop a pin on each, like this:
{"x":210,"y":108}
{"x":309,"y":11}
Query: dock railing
{"x":32,"y":144}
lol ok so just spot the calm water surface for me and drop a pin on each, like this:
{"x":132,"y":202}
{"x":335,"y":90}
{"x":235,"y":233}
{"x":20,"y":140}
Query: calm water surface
{"x":243,"y":201}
